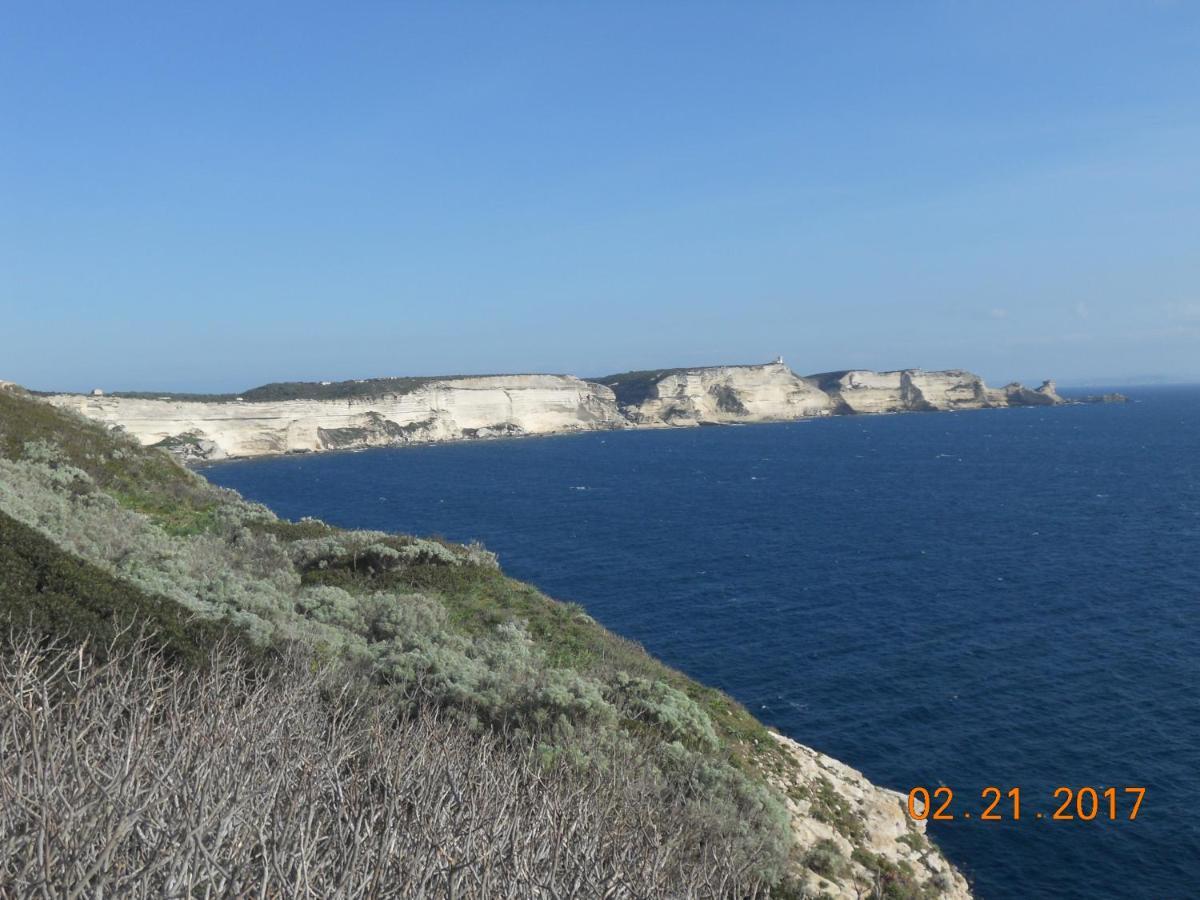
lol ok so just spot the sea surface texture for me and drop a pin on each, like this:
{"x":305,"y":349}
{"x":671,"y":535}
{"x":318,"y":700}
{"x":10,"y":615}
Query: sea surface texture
{"x":1000,"y":597}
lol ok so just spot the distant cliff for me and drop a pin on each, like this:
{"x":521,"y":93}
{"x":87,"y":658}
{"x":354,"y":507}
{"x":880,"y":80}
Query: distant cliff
{"x":403,"y":412}
{"x":914,"y":390}
{"x":773,"y":392}
{"x":382,"y":412}
{"x":770,"y":392}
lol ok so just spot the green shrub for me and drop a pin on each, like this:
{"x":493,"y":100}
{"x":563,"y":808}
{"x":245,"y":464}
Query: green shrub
{"x":57,"y":595}
{"x":671,"y":711}
{"x":826,"y":860}
{"x":120,"y":532}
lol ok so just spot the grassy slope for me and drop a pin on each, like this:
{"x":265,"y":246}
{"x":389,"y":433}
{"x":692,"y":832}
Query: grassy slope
{"x":477,"y":598}
{"x":57,"y":594}
{"x":42,"y":584}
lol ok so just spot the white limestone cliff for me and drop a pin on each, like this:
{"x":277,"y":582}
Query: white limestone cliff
{"x":1017,"y":394}
{"x":915,"y":390}
{"x":393,"y":412}
{"x":718,"y":394}
{"x":442,"y":410}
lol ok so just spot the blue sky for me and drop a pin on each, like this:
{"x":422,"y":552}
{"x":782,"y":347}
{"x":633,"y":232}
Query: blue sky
{"x":212,"y":196}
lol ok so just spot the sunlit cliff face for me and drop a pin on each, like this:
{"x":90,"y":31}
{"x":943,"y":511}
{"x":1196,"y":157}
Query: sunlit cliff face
{"x":517,"y":405}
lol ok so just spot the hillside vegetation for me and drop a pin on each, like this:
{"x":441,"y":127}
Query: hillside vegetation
{"x":273,"y":782}
{"x":351,"y":653}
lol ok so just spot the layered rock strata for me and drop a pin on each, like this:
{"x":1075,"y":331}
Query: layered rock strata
{"x":393,"y":412}
{"x":452,"y":409}
{"x":717,"y":394}
{"x":915,"y":390}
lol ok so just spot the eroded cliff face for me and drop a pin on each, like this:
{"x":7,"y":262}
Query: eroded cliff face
{"x":447,"y":409}
{"x":453,"y":409}
{"x":915,"y":390}
{"x":719,"y":394}
{"x":1017,"y":394}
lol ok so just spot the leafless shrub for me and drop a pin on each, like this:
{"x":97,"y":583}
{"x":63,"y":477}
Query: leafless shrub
{"x":135,"y":778}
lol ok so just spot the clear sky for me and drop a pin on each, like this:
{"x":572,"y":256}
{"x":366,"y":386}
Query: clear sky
{"x":209,"y":196}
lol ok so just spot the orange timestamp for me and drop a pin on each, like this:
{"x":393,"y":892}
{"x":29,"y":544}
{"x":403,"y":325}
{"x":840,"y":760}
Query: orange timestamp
{"x":1074,"y":804}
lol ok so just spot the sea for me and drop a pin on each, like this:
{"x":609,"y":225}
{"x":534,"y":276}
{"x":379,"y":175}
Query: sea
{"x":996,"y":598}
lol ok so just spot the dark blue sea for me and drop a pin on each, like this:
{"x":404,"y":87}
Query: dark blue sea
{"x":1000,"y":597}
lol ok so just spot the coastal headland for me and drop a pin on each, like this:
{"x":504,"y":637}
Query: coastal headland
{"x":298,"y":417}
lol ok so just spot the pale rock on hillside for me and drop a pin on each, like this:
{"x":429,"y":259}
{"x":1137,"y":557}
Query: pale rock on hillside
{"x":1017,"y":394}
{"x":844,"y":820}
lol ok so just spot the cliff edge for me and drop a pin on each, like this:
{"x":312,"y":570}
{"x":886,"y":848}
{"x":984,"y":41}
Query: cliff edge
{"x":717,"y":394}
{"x":418,"y":411}
{"x":386,"y":412}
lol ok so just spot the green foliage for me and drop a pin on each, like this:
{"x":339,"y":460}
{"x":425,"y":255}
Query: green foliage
{"x":826,"y":860}
{"x":833,"y":809}
{"x":132,"y":534}
{"x":62,"y":597}
{"x":915,"y":840}
{"x":287,"y":531}
{"x":670,"y":711}
{"x":143,"y":478}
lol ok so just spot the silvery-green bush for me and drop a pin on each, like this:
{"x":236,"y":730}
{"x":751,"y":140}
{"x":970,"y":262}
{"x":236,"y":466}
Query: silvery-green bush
{"x":225,"y":563}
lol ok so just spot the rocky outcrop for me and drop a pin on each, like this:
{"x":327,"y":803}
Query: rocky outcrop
{"x":915,"y":390}
{"x":303,"y":417}
{"x":718,"y":394}
{"x":441,"y":410}
{"x":862,"y":391}
{"x":859,"y":837}
{"x":773,"y":392}
{"x":1016,"y":394}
